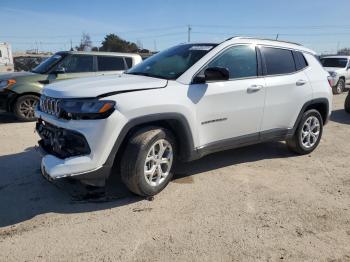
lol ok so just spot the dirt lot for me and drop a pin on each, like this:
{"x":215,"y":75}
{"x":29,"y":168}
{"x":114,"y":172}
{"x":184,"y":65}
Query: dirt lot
{"x":259,"y":203}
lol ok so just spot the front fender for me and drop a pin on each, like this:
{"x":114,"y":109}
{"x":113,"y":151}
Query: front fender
{"x":22,"y":88}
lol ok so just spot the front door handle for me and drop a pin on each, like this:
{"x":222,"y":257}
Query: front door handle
{"x":300,"y":82}
{"x":254,"y":88}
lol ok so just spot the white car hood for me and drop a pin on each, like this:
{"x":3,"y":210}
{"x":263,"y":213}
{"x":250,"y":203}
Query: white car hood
{"x":101,"y":85}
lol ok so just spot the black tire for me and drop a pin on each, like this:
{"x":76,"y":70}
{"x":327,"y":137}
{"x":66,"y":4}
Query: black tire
{"x":24,"y":107}
{"x":347,"y":103}
{"x":134,"y":159}
{"x":295,"y":143}
{"x":340,"y":87}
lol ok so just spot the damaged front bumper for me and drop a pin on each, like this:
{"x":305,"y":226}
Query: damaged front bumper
{"x":66,"y":153}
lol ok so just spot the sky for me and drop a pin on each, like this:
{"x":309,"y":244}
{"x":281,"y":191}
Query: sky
{"x":158,"y":24}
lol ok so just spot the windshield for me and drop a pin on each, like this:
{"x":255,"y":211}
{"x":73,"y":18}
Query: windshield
{"x":173,"y":62}
{"x":47,"y":64}
{"x":334,"y":62}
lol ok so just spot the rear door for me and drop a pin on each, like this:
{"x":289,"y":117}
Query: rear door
{"x":287,"y":87}
{"x":107,"y":65}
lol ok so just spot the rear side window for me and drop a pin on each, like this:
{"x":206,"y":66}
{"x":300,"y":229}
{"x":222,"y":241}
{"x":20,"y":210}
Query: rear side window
{"x":300,"y":61}
{"x":278,"y":61}
{"x":128,"y":61}
{"x":110,"y":63}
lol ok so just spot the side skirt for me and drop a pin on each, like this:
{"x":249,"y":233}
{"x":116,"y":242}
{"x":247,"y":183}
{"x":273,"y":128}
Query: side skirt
{"x":279,"y":134}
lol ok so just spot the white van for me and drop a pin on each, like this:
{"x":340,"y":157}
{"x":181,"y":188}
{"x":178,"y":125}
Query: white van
{"x":6,"y":59}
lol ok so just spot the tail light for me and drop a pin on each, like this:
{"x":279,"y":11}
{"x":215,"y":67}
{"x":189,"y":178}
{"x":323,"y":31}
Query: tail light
{"x":331,"y":81}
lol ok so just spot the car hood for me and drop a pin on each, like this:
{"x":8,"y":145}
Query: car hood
{"x":334,"y":69}
{"x":15,"y":75}
{"x":102,"y":86}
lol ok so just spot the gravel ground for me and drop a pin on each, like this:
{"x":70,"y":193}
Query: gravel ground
{"x":258,"y":203}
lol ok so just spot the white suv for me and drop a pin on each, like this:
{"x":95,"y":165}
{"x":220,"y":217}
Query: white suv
{"x":339,"y":68}
{"x":181,"y":104}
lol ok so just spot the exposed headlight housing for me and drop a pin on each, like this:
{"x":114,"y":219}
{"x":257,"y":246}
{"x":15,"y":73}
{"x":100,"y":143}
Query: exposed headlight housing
{"x":6,"y":83}
{"x":77,"y":109}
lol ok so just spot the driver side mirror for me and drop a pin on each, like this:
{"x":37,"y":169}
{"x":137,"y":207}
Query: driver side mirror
{"x":212,"y":74}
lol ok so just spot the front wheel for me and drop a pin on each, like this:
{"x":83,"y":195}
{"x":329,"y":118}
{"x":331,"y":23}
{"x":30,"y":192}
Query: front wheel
{"x":308,"y":134}
{"x":347,"y":103}
{"x":340,"y":87}
{"x":24,"y":107}
{"x":147,"y":162}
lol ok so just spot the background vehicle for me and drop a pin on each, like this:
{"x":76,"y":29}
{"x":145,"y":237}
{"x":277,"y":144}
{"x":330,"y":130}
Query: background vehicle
{"x":20,"y":92}
{"x":183,"y":103}
{"x":6,"y":59}
{"x":339,"y":69}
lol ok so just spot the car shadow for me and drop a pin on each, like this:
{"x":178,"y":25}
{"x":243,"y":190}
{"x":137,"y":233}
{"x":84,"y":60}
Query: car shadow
{"x":6,"y":118}
{"x":340,"y":116}
{"x":24,"y":193}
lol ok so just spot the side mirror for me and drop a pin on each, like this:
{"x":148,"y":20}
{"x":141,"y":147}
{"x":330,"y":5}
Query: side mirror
{"x":212,"y":74}
{"x":59,"y":70}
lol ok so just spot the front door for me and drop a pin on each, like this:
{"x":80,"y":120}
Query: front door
{"x":234,"y":108}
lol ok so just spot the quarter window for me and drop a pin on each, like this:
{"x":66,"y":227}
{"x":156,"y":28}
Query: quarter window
{"x":77,"y":64}
{"x":300,"y":61}
{"x":240,"y":61}
{"x":110,"y":63}
{"x":128,"y":61}
{"x":278,"y":61}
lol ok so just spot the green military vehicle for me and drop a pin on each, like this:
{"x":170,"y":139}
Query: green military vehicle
{"x":20,"y":91}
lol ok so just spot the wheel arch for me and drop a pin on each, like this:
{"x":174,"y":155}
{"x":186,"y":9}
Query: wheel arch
{"x":174,"y":122}
{"x":319,"y":104}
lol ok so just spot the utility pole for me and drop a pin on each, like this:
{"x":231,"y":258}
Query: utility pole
{"x":189,"y":29}
{"x":71,"y":45}
{"x":277,"y":36}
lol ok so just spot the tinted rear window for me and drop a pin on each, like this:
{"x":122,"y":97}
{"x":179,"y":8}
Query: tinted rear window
{"x":278,"y":61}
{"x":334,"y":62}
{"x":109,"y":63}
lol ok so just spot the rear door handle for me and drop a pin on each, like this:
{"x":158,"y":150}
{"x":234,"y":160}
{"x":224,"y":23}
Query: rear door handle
{"x":300,"y":82}
{"x":254,"y":88}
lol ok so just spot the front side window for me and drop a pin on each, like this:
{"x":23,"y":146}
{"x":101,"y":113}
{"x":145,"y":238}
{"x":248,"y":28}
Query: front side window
{"x":77,"y":64}
{"x":240,"y":61}
{"x":334,"y":62}
{"x":278,"y":61}
{"x":173,"y":62}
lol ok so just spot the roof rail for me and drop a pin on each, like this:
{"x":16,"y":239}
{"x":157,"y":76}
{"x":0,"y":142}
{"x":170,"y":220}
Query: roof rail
{"x":242,"y":37}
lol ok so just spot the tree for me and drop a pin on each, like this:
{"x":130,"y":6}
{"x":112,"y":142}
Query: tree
{"x":113,"y":43}
{"x":344,"y":51}
{"x":85,"y":43}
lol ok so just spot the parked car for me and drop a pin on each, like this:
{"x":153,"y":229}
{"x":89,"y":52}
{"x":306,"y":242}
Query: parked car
{"x":181,"y":104}
{"x":20,"y":92}
{"x":347,"y":103}
{"x":6,"y":59}
{"x":339,"y":68}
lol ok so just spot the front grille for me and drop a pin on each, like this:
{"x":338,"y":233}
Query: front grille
{"x":50,"y":105}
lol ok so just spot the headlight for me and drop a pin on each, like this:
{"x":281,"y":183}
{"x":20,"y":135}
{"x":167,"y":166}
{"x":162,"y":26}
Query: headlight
{"x":6,"y":83}
{"x":92,"y":108}
{"x":86,"y":108}
{"x":333,"y":74}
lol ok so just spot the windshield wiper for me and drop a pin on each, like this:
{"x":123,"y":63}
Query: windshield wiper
{"x":145,"y":74}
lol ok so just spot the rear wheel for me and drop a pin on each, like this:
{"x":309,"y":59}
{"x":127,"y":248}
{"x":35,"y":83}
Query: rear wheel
{"x":148,"y":160}
{"x":347,"y":103}
{"x":308,"y":134}
{"x":340,"y":87}
{"x":24,"y":107}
